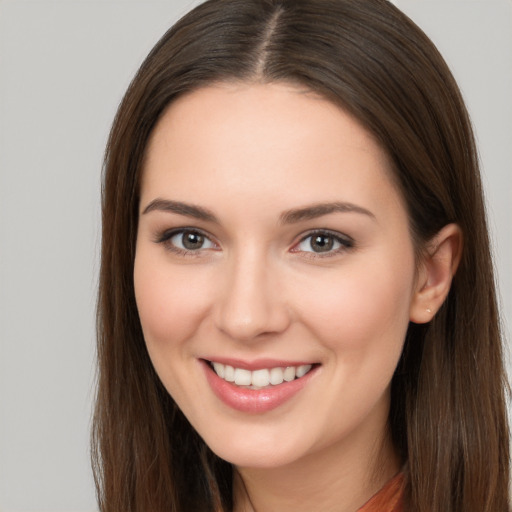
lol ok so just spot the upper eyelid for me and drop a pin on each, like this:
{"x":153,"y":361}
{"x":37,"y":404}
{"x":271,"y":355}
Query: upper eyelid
{"x":164,"y":238}
{"x":347,"y":243}
{"x":169,"y":233}
{"x":166,"y":234}
{"x":335,"y":234}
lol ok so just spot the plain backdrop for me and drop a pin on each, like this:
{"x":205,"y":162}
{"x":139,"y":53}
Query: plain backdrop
{"x":64,"y":66}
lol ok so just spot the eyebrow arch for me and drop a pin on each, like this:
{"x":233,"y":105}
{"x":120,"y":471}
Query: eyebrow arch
{"x":189,"y":210}
{"x":289,"y":217}
{"x":320,"y":209}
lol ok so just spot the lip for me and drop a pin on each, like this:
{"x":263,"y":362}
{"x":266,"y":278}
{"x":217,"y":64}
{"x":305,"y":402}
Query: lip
{"x":255,"y":401}
{"x":257,"y":364}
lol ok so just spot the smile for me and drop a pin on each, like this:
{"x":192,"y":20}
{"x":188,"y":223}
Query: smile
{"x":260,"y":389}
{"x":259,"y":379}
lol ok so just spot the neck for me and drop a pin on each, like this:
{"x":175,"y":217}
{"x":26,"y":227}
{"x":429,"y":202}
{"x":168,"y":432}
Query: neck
{"x":338,"y":478}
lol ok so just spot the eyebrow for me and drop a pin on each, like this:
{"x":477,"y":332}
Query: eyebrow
{"x":320,"y":209}
{"x":289,"y":217}
{"x":189,"y":210}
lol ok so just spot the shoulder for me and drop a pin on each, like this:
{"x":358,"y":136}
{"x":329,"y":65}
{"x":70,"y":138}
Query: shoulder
{"x":388,"y":499}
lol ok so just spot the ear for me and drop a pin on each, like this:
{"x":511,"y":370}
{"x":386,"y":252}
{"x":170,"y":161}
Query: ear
{"x":436,"y":272}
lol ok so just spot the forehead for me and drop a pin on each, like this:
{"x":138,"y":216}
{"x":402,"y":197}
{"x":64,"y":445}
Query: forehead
{"x":275,"y":140}
{"x":259,"y":109}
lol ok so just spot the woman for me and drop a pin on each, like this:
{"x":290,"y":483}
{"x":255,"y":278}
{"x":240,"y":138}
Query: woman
{"x":293,"y":234}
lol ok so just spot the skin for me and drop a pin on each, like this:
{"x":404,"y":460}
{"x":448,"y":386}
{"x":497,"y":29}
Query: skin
{"x":248,"y":153}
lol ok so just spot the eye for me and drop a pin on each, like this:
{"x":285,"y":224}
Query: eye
{"x":324,"y":242}
{"x":186,"y":240}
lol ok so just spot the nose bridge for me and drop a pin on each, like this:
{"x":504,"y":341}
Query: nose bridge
{"x":251,"y":304}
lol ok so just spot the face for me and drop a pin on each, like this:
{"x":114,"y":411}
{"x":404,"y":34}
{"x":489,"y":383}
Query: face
{"x":274,"y":272}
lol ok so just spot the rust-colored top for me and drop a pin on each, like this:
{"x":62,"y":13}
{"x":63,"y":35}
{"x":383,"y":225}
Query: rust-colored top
{"x":388,"y":499}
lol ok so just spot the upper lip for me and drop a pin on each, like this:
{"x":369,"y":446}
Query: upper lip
{"x":256,"y":364}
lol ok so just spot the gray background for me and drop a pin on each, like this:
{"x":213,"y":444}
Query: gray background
{"x":64,"y":66}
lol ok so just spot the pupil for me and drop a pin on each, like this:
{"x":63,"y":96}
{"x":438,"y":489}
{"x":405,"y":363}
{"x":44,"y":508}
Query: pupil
{"x":193,"y":241}
{"x":322,"y":243}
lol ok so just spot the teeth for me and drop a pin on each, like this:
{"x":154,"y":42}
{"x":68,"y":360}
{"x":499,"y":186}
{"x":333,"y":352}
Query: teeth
{"x":219,"y":369}
{"x":229,"y":373}
{"x":242,"y":377}
{"x":289,"y":373}
{"x":302,"y":370}
{"x":276,"y":376}
{"x":260,"y":378}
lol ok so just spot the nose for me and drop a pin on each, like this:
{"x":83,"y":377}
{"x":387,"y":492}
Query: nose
{"x":251,"y":303}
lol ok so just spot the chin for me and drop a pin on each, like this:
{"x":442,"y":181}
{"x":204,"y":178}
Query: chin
{"x":258,"y":449}
{"x":255,"y":457}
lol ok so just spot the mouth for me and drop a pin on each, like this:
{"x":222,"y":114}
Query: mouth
{"x":258,"y":387}
{"x":263,"y":378}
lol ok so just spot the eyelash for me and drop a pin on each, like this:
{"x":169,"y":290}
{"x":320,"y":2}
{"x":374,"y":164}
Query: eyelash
{"x":166,"y":237}
{"x":345,"y":242}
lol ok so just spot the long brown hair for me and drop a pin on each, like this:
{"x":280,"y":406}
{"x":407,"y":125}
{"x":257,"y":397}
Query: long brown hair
{"x":448,"y":414}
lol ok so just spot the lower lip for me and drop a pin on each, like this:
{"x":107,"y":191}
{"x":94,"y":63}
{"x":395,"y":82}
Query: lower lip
{"x":254,"y":400}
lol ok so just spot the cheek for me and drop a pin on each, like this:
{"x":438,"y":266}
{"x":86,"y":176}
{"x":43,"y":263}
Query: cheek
{"x":360,"y":306}
{"x":171,"y":306}
{"x":170,"y":301}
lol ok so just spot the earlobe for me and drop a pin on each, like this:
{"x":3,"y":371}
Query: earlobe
{"x":437,"y":269}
